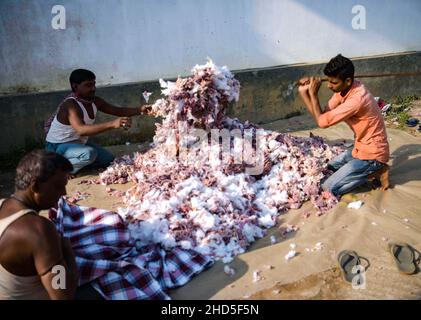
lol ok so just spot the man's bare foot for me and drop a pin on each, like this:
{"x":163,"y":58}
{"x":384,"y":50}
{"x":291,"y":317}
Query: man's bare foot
{"x":384,"y":178}
{"x":381,"y":177}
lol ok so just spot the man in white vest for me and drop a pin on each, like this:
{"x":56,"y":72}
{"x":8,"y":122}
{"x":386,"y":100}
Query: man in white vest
{"x":73,"y":123}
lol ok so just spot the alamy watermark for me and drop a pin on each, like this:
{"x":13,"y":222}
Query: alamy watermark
{"x":58,"y":22}
{"x":358,"y":22}
{"x":359,"y":280}
{"x":59,"y":278}
{"x":218,"y":146}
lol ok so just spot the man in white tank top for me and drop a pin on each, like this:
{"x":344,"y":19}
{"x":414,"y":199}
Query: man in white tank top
{"x":30,"y":245}
{"x":74,"y":121}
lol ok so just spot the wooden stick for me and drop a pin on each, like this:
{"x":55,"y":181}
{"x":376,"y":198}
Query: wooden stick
{"x":375,"y":75}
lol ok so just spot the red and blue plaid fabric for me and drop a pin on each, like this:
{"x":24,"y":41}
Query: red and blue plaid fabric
{"x":108,"y":259}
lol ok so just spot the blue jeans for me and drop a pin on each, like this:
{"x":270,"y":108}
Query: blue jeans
{"x":349,"y":173}
{"x":82,"y":155}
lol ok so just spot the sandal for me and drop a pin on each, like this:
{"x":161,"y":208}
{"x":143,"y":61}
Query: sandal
{"x":404,"y":256}
{"x":347,"y":261}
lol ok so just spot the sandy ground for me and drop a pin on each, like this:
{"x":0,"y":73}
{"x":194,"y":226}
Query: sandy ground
{"x":393,"y":215}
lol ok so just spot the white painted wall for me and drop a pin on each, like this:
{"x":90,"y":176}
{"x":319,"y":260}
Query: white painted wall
{"x":138,"y":40}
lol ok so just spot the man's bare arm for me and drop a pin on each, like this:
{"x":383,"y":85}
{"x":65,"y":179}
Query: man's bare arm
{"x":108,"y":108}
{"x":76,"y":121}
{"x":60,"y":283}
{"x":303,"y":90}
{"x":313,"y":92}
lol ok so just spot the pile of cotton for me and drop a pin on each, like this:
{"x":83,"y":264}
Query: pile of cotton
{"x":213,"y":183}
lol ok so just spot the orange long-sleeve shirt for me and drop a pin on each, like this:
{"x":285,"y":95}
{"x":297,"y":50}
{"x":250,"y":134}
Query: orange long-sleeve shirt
{"x":359,"y":110}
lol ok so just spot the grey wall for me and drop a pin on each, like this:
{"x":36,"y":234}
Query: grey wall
{"x":139,"y":40}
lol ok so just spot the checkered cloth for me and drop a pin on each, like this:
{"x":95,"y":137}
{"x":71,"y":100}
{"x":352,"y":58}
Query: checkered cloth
{"x":108,"y":259}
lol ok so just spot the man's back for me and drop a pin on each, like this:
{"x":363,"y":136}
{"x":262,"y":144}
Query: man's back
{"x":359,"y":110}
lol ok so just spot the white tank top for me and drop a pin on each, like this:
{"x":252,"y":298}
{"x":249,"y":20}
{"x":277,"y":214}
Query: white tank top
{"x":62,"y":133}
{"x":13,"y":287}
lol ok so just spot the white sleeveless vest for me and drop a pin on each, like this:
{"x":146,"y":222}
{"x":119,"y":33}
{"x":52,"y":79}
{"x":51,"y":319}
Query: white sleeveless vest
{"x":62,"y":133}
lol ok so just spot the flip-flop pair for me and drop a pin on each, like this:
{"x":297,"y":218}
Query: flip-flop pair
{"x":405,"y":256}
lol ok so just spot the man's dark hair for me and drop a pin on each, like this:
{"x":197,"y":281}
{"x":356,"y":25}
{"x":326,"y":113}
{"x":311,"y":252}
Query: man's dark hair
{"x":39,"y":166}
{"x":340,"y":67}
{"x":80,"y":75}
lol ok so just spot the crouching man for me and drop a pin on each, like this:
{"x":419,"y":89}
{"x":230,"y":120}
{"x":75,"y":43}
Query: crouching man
{"x":69,"y":128}
{"x":356,"y":106}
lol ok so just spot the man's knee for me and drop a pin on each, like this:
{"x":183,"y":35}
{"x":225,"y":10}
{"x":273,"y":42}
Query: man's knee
{"x":327,"y":186}
{"x":88,"y":155}
{"x":332,"y":184}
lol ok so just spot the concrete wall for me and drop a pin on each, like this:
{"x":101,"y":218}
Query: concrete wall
{"x":264,"y":98}
{"x":139,"y":40}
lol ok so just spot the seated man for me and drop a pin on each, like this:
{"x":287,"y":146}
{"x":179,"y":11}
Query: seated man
{"x":356,"y":106}
{"x":69,"y":128}
{"x":30,"y":246}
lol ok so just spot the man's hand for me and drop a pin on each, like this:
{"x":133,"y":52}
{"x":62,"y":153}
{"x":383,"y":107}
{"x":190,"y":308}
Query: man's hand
{"x":122,"y":122}
{"x":315,"y":83}
{"x":303,"y":88}
{"x":146,"y":109}
{"x":304,"y":81}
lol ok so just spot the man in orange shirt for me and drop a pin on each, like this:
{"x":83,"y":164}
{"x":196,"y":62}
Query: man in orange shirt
{"x":356,"y":106}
